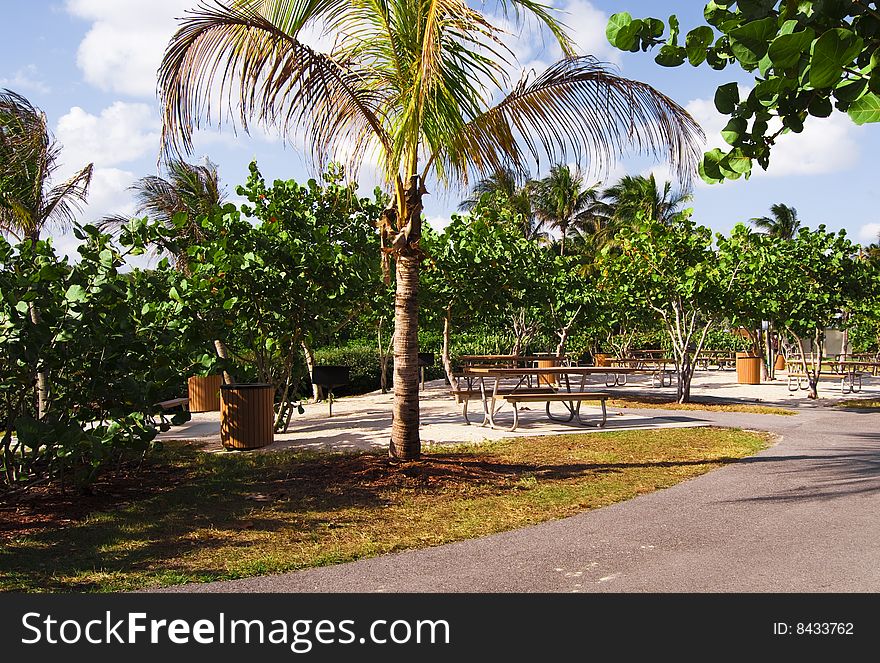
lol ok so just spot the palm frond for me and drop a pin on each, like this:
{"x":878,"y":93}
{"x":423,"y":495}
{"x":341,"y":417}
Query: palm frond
{"x":576,"y":109}
{"x":782,"y":224}
{"x":29,"y":157}
{"x":270,"y":75}
{"x":64,"y":201}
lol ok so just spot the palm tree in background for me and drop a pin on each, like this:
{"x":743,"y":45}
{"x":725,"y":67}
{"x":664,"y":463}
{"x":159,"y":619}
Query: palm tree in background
{"x":782,"y":224}
{"x":411,"y":84}
{"x":562,"y":200}
{"x":193,"y":189}
{"x":508,"y":186}
{"x":637,"y":195}
{"x":29,"y":199}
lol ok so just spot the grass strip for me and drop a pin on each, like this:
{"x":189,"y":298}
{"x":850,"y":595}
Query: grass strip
{"x":190,"y":516}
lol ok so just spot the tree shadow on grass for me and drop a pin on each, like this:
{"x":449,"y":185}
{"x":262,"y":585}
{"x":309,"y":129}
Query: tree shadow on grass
{"x":201,"y":506}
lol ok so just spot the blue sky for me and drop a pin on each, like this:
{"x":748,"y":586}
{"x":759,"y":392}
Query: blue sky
{"x":90,"y":65}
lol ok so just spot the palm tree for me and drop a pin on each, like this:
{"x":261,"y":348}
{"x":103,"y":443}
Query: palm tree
{"x":28,"y":199}
{"x":783,"y":224}
{"x":193,"y":189}
{"x":639,"y":195}
{"x":412,"y":84}
{"x":28,"y":160}
{"x":508,"y":186}
{"x":562,"y":200}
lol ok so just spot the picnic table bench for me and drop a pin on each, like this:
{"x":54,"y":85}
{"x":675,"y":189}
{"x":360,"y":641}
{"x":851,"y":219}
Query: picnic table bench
{"x":655,"y":367}
{"x":850,"y":381}
{"x":571,"y":399}
{"x":174,"y":403}
{"x":559,"y":390}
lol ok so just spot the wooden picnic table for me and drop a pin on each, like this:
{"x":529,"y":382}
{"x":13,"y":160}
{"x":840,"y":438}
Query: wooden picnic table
{"x":522,"y":392}
{"x":560,"y":389}
{"x":508,"y":361}
{"x":856,"y":365}
{"x":849,"y":372}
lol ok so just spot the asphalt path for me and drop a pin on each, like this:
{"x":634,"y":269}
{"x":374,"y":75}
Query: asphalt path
{"x":802,"y":516}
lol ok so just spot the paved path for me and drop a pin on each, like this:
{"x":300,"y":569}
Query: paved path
{"x":802,"y":516}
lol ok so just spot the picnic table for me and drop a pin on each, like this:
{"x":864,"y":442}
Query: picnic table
{"x":721,"y":358}
{"x":494,"y":398}
{"x":657,"y":366}
{"x":467,"y":362}
{"x":849,"y":372}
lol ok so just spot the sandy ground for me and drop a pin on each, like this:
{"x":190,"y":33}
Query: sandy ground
{"x":364,"y":422}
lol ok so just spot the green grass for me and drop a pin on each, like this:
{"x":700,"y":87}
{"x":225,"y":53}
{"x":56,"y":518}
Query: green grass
{"x":189,"y":516}
{"x":666,"y":404}
{"x":863,"y":403}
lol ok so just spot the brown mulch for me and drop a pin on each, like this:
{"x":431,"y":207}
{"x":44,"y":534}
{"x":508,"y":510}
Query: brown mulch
{"x":44,"y":508}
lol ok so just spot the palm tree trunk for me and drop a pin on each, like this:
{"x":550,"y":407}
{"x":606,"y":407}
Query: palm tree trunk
{"x":405,"y":443}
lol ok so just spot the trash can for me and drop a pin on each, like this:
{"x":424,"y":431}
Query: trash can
{"x":549,"y":380}
{"x":748,"y":368}
{"x":247,"y":415}
{"x":780,"y":363}
{"x":204,"y":393}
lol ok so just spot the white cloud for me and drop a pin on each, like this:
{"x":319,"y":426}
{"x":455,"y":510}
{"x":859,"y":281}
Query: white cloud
{"x":869,"y":233}
{"x":109,"y":194}
{"x":825,"y":146}
{"x":439,"y":223}
{"x":26,"y":79}
{"x":123,"y":48}
{"x":122,"y":133}
{"x":587,"y":25}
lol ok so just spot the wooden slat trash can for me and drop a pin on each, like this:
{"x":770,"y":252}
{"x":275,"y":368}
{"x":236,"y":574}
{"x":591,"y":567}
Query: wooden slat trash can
{"x":548,"y":380}
{"x":748,"y":368}
{"x":247,"y":415}
{"x":780,"y":363}
{"x":204,"y":393}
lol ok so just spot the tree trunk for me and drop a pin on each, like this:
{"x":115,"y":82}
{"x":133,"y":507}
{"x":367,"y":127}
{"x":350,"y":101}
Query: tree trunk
{"x":812,"y":375}
{"x":384,"y":354}
{"x":223,"y":353}
{"x":310,"y":364}
{"x":565,"y":332}
{"x":42,"y":377}
{"x":447,"y":360}
{"x":405,"y":443}
{"x":686,"y":376}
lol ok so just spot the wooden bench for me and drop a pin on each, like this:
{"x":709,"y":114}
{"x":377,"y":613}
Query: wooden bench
{"x":571,"y":400}
{"x":174,"y":403}
{"x":463,"y":397}
{"x":849,"y":382}
{"x":163,"y":423}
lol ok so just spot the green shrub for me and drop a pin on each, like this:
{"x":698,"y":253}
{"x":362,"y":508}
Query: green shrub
{"x":363,"y":362}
